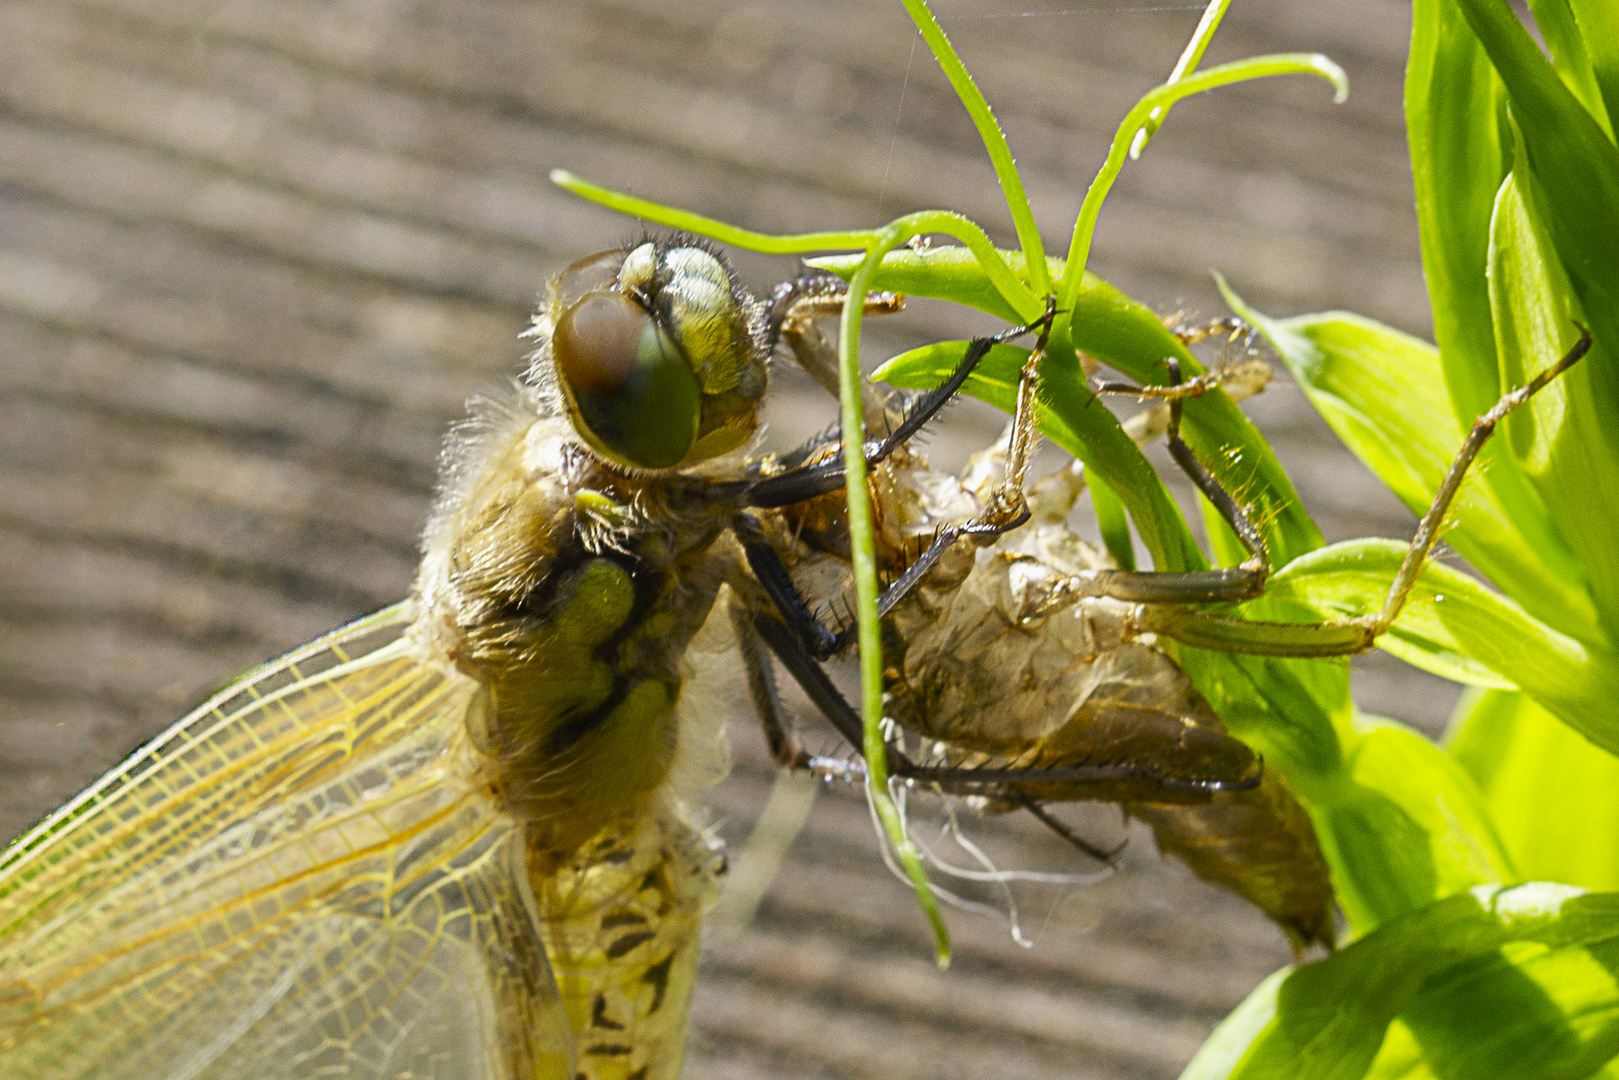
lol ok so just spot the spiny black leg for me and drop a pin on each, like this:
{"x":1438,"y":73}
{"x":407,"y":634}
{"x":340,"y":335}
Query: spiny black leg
{"x":826,"y":476}
{"x":846,"y":720}
{"x":972,"y":780}
{"x":1101,"y":855}
{"x":785,"y":748}
{"x":815,"y":682}
{"x":813,"y":635}
{"x":772,"y":575}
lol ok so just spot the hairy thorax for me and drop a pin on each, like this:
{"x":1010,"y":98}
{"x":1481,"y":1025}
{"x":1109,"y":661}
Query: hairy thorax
{"x":570,"y":592}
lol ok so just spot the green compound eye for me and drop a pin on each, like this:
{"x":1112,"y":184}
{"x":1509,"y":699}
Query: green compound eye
{"x":631,"y":393}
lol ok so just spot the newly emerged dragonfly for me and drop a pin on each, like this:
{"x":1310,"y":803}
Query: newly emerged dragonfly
{"x":458,"y":838}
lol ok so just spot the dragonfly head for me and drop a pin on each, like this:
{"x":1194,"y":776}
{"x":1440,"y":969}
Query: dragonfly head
{"x":655,"y":353}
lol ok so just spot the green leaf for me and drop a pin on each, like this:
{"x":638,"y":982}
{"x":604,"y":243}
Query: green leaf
{"x":1403,"y":826}
{"x":989,"y":132}
{"x":1563,"y":439}
{"x":1598,"y":22}
{"x":1380,"y":391}
{"x":1452,"y":618}
{"x":1291,"y":711}
{"x":1561,"y":30}
{"x":1458,"y":157}
{"x":1553,"y":795}
{"x":1455,"y":125}
{"x":1112,"y":523}
{"x":1574,"y":167}
{"x":1331,"y":1016}
{"x":1571,"y":157}
{"x":1139,"y":118}
{"x":1526,"y":1011}
{"x":1206,"y":26}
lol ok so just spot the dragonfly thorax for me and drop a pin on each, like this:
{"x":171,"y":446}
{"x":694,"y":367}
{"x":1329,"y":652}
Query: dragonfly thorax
{"x":570,"y":592}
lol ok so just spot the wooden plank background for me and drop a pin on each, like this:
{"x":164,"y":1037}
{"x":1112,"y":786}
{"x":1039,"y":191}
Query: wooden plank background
{"x":254,"y":255}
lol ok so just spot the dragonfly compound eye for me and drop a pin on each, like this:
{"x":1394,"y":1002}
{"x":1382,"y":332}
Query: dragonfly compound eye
{"x":630,"y":391}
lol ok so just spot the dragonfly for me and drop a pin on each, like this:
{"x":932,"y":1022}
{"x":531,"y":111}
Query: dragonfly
{"x":461,"y":837}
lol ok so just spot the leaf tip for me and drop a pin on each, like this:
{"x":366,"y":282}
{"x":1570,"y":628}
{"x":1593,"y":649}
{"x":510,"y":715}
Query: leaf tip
{"x":1331,"y":71}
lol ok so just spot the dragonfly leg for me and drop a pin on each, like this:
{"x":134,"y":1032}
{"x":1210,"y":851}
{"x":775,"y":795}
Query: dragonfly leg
{"x":785,"y":748}
{"x":951,"y":779}
{"x":820,"y":642}
{"x":1339,"y":637}
{"x":790,"y":606}
{"x":794,"y":308}
{"x":1224,"y":585}
{"x":1007,"y":506}
{"x":825,"y":475}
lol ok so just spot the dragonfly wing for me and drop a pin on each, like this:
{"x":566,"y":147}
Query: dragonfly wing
{"x":302,"y":878}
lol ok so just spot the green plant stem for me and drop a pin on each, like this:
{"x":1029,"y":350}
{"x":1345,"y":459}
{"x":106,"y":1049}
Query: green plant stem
{"x":863,"y":556}
{"x":1206,"y":26}
{"x":1163,"y":97}
{"x":1025,"y":302}
{"x":994,"y":139}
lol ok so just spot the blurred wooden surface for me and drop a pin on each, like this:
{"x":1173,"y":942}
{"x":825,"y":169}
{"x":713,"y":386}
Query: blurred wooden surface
{"x":254,"y":255}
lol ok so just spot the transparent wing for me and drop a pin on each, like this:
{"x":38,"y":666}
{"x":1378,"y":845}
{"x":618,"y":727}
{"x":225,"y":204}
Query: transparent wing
{"x":302,"y":878}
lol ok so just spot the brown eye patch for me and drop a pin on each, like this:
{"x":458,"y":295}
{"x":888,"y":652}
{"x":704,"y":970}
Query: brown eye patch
{"x":596,"y":342}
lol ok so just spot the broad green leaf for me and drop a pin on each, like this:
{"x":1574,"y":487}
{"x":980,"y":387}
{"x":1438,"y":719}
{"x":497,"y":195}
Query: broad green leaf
{"x":1380,"y":392}
{"x":939,"y":273}
{"x":1571,"y":157}
{"x":1553,"y":795}
{"x":1526,"y":1010}
{"x":1451,"y":615}
{"x":1458,"y":158}
{"x":1563,"y":439}
{"x":1598,"y":21}
{"x":1574,"y":169}
{"x":1561,"y":31}
{"x":1108,"y":325}
{"x":1455,"y":126}
{"x":1401,"y":827}
{"x":1331,"y":1016}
